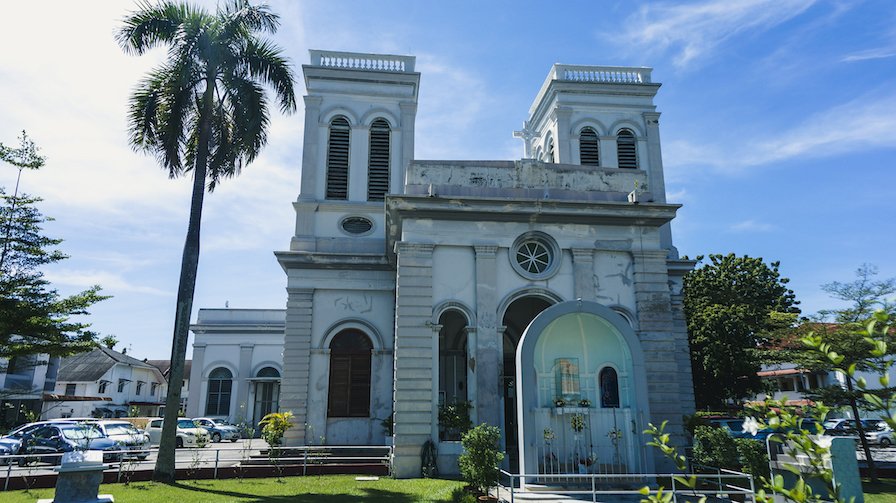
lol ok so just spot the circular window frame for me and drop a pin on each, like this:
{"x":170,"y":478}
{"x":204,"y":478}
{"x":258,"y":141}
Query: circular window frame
{"x":536,"y":239}
{"x":368,"y":232}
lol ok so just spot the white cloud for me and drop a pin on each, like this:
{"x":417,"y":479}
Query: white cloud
{"x":861,"y":124}
{"x":876,"y":53}
{"x":112,"y":283}
{"x":752,"y":226}
{"x":693,"y":31}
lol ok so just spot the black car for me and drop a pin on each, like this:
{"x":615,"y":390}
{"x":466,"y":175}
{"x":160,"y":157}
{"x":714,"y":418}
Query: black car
{"x":48,"y":442}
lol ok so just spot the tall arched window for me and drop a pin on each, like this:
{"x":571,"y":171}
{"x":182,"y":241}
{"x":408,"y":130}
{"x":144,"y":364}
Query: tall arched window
{"x":220,"y":384}
{"x":378,"y":161}
{"x":589,"y":152}
{"x":349,"y":394}
{"x":549,"y":152}
{"x":267,"y":392}
{"x":626,"y":149}
{"x":609,"y":388}
{"x":337,"y":158}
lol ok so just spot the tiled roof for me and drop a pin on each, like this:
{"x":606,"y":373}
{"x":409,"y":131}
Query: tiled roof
{"x":90,"y":366}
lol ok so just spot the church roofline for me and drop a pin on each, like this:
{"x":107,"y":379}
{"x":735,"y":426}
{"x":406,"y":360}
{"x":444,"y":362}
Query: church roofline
{"x":324,"y":260}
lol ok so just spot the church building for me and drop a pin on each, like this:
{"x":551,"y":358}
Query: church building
{"x":540,"y":295}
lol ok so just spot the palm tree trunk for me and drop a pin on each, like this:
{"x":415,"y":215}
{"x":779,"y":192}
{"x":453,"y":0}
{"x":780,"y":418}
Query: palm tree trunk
{"x":165,"y":468}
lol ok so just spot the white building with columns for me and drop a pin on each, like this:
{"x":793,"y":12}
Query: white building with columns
{"x":545,"y":291}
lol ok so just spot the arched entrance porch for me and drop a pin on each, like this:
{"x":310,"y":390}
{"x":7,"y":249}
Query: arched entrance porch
{"x":581,"y":384}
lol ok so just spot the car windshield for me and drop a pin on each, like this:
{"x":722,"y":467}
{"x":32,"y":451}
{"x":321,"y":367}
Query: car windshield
{"x":81,"y":432}
{"x":121,"y":429}
{"x":185,"y":423}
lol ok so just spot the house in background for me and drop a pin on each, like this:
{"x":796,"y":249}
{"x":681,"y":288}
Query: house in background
{"x":23,"y":381}
{"x":789,"y":381}
{"x":104,"y":383}
{"x":164,"y":367}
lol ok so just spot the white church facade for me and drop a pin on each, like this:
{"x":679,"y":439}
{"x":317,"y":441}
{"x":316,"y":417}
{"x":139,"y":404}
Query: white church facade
{"x":544,"y":292}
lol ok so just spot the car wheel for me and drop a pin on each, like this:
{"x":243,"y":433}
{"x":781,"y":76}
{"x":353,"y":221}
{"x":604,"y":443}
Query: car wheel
{"x":885,"y":442}
{"x":179,"y":443}
{"x":234,"y":439}
{"x":216,"y":437}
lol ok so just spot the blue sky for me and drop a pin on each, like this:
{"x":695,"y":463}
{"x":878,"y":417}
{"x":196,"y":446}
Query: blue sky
{"x":778,"y":130}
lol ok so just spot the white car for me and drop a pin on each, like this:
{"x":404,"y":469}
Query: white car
{"x":188,"y":434}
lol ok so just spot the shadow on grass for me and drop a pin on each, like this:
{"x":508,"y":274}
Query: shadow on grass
{"x":883,"y":486}
{"x":370,"y":495}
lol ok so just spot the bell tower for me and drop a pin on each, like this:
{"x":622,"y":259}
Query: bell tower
{"x":359,"y":138}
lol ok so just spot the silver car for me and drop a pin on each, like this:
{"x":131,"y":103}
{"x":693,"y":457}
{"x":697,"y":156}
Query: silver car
{"x":130,"y":437}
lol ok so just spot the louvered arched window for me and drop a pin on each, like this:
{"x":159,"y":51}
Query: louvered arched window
{"x":220,"y":385}
{"x":378,"y":161}
{"x":589,"y":152}
{"x":626,"y":149}
{"x":349,"y":393}
{"x":549,"y":153}
{"x":337,"y":158}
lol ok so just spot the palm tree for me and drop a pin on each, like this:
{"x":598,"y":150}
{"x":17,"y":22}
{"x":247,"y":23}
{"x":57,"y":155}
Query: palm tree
{"x":203,"y":111}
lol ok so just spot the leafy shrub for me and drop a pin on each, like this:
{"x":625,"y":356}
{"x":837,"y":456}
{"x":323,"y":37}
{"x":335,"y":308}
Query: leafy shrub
{"x":753,"y":457}
{"x":274,"y":426}
{"x":715,"y":447}
{"x":481,"y":457}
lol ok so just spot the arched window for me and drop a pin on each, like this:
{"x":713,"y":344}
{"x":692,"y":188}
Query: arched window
{"x":267,"y":392}
{"x":268,"y":372}
{"x":220,"y":384}
{"x":549,"y":153}
{"x":349,"y":394}
{"x":337,"y":158}
{"x":609,"y":388}
{"x":626,"y":149}
{"x":589,"y":152}
{"x":378,"y":161}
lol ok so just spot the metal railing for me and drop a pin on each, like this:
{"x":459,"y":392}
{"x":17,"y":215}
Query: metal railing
{"x":215,"y":458}
{"x":581,"y":485}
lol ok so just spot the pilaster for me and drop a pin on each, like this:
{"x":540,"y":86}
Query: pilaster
{"x":310,"y":151}
{"x":608,"y":155}
{"x":244,"y":373}
{"x":656,"y":183}
{"x":489,"y":346}
{"x":296,"y":361}
{"x":564,"y":145}
{"x":414,"y":378}
{"x":583,"y":274}
{"x":198,"y":364}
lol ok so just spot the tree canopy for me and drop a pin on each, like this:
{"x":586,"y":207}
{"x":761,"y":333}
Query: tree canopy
{"x":34,"y":317}
{"x":732,"y":306}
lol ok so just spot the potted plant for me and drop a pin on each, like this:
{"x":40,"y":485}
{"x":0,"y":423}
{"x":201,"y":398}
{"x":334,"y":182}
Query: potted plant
{"x":584,"y":403}
{"x":559,"y":402}
{"x":481,"y":457}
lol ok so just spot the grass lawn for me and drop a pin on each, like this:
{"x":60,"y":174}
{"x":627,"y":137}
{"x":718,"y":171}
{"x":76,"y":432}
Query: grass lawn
{"x":882,"y":492}
{"x":326,"y":489}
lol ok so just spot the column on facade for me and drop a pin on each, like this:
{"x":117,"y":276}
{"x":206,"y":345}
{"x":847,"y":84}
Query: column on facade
{"x":310,"y":148}
{"x":358,"y":162}
{"x":683,"y":350}
{"x":564,"y":141}
{"x":471,"y":372}
{"x":244,"y":372}
{"x":408,"y":119}
{"x":489,"y":346}
{"x":437,"y":378}
{"x":414,"y":377}
{"x":656,"y":183}
{"x":197,"y":396}
{"x":609,"y":157}
{"x":656,"y":332}
{"x":585,"y":281}
{"x":296,"y":361}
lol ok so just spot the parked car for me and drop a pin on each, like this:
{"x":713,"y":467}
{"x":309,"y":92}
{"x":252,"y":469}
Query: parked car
{"x":11,"y":443}
{"x":733,"y":425}
{"x":218,"y":429}
{"x":47,"y":442}
{"x":188,"y":434}
{"x":877,"y":431}
{"x":840,"y":427}
{"x":130,"y":437}
{"x":809,"y":425}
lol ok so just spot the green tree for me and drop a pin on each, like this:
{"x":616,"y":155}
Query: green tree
{"x":34,"y":317}
{"x":203,"y":112}
{"x":733,"y":305}
{"x":843,"y":331}
{"x":109,"y":341}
